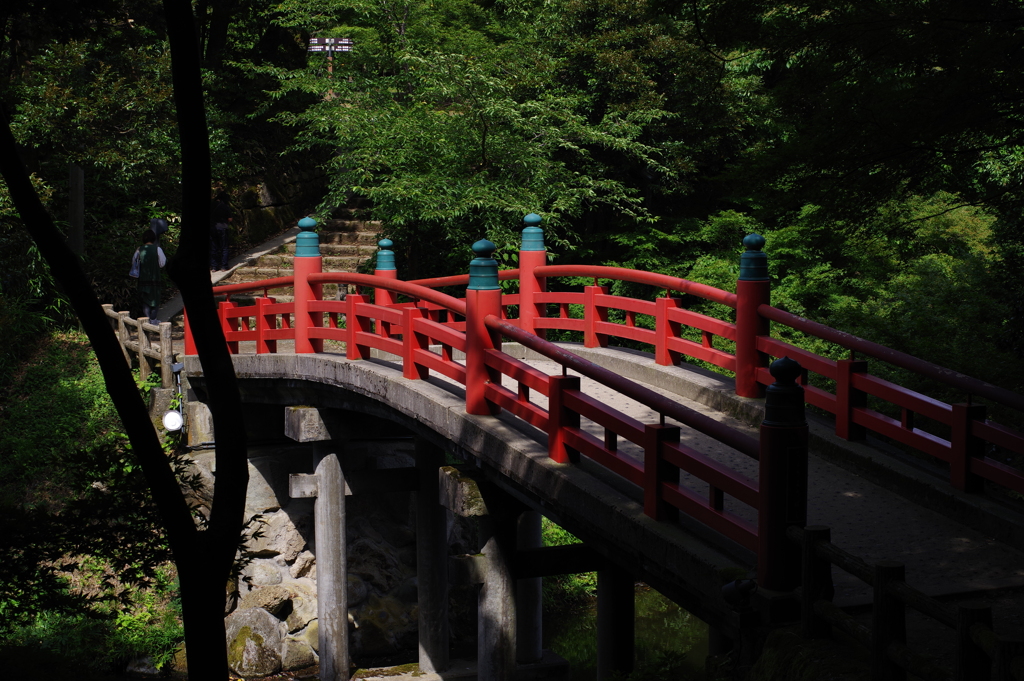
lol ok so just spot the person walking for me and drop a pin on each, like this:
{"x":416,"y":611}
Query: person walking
{"x":222,"y":218}
{"x":151,"y":259}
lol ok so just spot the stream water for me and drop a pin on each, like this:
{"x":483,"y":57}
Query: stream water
{"x":671,"y":644}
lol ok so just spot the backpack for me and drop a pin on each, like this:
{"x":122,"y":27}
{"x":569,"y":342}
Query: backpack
{"x":136,"y":264}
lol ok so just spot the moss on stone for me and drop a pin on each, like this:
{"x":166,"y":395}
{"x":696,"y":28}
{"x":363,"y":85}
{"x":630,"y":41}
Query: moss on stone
{"x":412,"y":669}
{"x":236,"y":651}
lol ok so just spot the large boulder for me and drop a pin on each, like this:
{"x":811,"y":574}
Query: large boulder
{"x":274,"y":599}
{"x":254,"y":643}
{"x":281,"y":534}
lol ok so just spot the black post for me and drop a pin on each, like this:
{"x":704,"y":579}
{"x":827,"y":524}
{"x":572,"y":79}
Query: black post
{"x":782,"y":479}
{"x":888,"y":622}
{"x":972,"y":663}
{"x":615,"y":623}
{"x":817,"y":582}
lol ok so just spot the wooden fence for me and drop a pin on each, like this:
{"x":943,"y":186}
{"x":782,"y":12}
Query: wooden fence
{"x":149,"y":343}
{"x":980,"y":654}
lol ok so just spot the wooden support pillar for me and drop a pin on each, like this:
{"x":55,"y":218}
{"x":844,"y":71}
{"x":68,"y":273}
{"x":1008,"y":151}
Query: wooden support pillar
{"x":529,"y":596}
{"x":431,"y":561}
{"x":615,"y":623}
{"x":327,"y":485}
{"x":496,"y":617}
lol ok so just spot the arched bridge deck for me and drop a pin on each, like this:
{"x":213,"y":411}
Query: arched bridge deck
{"x":556,"y":436}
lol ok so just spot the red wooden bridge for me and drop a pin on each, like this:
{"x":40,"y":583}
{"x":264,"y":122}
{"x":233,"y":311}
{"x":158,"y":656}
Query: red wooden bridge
{"x":461,"y":339}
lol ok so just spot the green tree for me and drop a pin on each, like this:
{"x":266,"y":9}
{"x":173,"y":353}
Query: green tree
{"x":880,"y":100}
{"x":448,"y":118}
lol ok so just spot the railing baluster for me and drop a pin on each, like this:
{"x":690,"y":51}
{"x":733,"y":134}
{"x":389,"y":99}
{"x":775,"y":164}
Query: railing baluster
{"x":355,"y":324}
{"x":848,"y":399}
{"x":413,"y":341}
{"x":665,"y":330}
{"x":560,"y":417}
{"x":657,"y":470}
{"x":228,"y":324}
{"x":592,"y":314}
{"x":964,"y":446}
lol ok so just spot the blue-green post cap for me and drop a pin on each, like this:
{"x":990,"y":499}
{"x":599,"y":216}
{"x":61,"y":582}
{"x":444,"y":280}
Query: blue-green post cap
{"x":483,"y":269}
{"x":307,"y":223}
{"x":385,"y":256}
{"x":533,"y":235}
{"x":307,"y":245}
{"x":753,"y":263}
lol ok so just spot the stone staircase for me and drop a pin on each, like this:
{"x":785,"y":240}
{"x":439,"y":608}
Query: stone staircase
{"x":344,"y":244}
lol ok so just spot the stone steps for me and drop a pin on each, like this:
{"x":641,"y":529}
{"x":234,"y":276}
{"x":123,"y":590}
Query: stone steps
{"x":344,"y":244}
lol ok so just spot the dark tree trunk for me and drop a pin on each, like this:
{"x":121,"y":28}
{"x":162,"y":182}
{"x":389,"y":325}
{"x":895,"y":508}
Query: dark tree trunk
{"x":204,"y":558}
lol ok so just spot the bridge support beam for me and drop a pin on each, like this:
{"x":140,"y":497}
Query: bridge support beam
{"x":615,"y":623}
{"x":431,"y":561}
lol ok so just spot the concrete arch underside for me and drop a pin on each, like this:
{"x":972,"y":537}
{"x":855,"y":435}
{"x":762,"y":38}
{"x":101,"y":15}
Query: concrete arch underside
{"x":683,"y":561}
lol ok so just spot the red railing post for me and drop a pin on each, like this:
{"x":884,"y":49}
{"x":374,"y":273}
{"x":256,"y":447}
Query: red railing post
{"x":413,"y":341}
{"x":227,"y":324}
{"x":483,"y":297}
{"x":560,"y":417}
{"x":657,"y":470}
{"x":753,"y":289}
{"x":385,"y":269}
{"x":592,"y":314}
{"x":264,"y":323}
{"x":190,"y":342}
{"x":532,"y":254}
{"x":964,"y":446}
{"x":782,"y":487}
{"x":355,"y":324}
{"x":848,"y":398}
{"x":307,"y":261}
{"x":664,"y":330}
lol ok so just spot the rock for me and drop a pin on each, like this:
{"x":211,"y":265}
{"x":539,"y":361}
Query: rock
{"x":142,"y":666}
{"x":179,"y":663}
{"x":310,"y":635}
{"x":304,"y":563}
{"x":254,"y":643}
{"x":261,"y":496}
{"x":408,"y":592}
{"x":382,"y":623}
{"x":275,"y":599}
{"x":357,"y":590}
{"x":281,"y":535}
{"x":303,"y":612}
{"x":262,"y":573}
{"x":297,"y":655}
{"x":376,"y":563}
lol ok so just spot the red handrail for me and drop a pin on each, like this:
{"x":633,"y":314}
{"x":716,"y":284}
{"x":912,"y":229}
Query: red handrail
{"x":663,"y":405}
{"x":972,"y":386}
{"x":664,"y":281}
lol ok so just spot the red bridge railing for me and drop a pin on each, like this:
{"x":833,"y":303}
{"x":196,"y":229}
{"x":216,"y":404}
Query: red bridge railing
{"x":429,"y":328}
